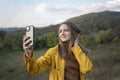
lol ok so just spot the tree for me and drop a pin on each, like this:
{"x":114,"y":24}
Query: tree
{"x":83,"y":40}
{"x":99,"y":37}
{"x":50,"y":39}
{"x":2,"y":35}
{"x":13,"y":41}
{"x":8,"y":42}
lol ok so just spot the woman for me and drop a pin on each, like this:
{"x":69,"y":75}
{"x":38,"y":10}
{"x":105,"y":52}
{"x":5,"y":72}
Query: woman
{"x":67,"y":61}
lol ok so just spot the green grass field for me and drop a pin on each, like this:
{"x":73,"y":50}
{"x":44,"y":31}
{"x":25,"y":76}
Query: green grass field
{"x":105,"y":59}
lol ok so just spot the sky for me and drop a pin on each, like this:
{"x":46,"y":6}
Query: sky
{"x":40,"y":13}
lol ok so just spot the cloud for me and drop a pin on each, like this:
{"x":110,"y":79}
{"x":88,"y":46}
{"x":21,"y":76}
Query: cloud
{"x":59,"y":13}
{"x":108,"y":5}
{"x":23,"y":8}
{"x":68,"y":10}
{"x":45,"y":14}
{"x":55,"y":8}
{"x":64,"y":9}
{"x":112,"y":4}
{"x":41,"y":8}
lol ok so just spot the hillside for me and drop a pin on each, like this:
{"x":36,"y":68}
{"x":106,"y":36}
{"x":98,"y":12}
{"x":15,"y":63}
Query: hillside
{"x":94,"y":22}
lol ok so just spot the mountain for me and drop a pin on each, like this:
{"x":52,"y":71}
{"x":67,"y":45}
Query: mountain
{"x":94,"y":22}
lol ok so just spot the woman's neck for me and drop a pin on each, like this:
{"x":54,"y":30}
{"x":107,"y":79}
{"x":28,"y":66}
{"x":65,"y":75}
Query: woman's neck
{"x":66,"y":44}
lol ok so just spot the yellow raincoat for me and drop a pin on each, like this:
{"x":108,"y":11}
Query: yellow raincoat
{"x":51,"y":59}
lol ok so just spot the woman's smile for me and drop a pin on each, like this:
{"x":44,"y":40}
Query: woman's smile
{"x":64,"y":33}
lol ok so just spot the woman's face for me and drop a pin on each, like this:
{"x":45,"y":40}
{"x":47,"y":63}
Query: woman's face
{"x":64,"y":33}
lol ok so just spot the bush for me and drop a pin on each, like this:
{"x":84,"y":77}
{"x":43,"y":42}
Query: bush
{"x":49,"y":40}
{"x":83,"y":40}
{"x":13,"y":41}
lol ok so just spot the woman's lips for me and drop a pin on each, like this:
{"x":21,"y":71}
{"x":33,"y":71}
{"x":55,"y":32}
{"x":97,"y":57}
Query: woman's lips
{"x":63,"y":36}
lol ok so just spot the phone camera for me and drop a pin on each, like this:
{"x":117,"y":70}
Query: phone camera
{"x":28,"y":28}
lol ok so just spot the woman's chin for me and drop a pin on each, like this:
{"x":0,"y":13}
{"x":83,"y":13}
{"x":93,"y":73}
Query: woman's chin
{"x":65,"y":41}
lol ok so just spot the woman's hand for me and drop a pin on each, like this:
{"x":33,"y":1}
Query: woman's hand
{"x":27,"y":48}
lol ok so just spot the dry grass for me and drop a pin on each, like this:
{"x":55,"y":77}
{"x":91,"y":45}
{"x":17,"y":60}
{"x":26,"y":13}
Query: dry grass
{"x":106,"y":61}
{"x":105,"y":58}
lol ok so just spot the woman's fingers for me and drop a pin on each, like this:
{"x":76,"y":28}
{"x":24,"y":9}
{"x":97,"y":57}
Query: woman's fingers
{"x":25,"y":38}
{"x":26,"y":43}
{"x":26,"y":46}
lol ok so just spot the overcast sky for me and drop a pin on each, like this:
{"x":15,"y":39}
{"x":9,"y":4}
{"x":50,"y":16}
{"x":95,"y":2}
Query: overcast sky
{"x":20,"y":13}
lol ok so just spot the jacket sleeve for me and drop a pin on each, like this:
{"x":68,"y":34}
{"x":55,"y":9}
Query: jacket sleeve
{"x":40,"y":65}
{"x":84,"y":61}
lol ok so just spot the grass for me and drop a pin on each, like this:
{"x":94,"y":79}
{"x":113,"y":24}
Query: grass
{"x":12,"y":66}
{"x":105,"y":58}
{"x":106,"y":61}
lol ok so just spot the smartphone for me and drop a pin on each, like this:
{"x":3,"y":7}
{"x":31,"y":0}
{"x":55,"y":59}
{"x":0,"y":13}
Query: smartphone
{"x":30,"y":33}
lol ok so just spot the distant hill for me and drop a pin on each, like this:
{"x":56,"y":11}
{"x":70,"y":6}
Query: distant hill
{"x":93,"y":22}
{"x":101,"y":27}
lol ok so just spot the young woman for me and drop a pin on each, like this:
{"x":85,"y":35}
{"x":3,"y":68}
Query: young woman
{"x":67,"y":61}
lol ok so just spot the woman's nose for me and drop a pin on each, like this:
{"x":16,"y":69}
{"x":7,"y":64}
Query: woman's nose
{"x":63,"y":32}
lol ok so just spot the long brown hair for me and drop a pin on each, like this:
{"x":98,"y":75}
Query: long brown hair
{"x":74,"y":30}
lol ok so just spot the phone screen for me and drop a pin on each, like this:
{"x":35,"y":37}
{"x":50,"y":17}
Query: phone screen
{"x":29,"y":33}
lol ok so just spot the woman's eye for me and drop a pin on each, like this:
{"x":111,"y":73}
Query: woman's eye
{"x":66,"y":30}
{"x":59,"y":31}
